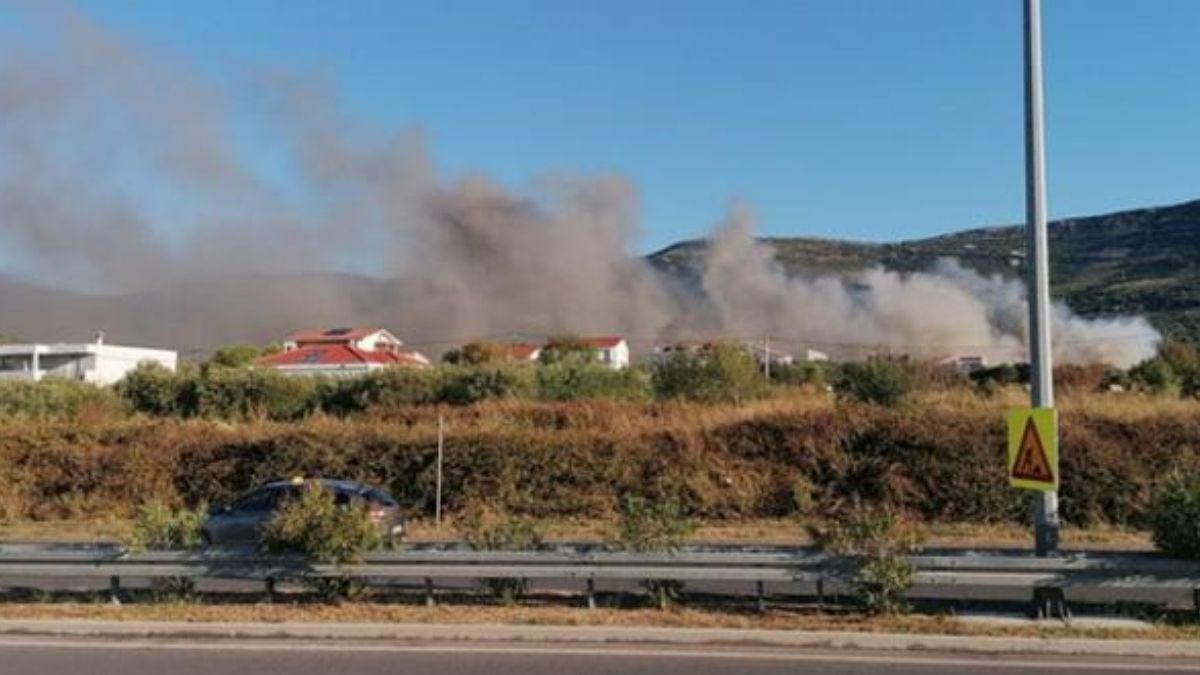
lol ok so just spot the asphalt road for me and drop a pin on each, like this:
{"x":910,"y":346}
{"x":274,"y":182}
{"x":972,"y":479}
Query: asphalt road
{"x":95,"y":657}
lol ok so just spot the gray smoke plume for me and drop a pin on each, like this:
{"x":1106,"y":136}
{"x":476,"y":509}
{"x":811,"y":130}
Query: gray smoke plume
{"x":123,"y":169}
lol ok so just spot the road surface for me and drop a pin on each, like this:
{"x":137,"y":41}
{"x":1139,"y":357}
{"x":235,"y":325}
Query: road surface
{"x":19,"y":656}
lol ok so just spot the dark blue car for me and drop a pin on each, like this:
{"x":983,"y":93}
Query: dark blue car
{"x":242,"y":521}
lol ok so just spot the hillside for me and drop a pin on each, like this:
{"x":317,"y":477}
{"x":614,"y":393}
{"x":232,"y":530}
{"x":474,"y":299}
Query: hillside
{"x":1144,"y":261}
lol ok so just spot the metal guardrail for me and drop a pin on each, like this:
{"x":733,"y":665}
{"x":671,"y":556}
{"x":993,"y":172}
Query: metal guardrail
{"x":1133,"y":577}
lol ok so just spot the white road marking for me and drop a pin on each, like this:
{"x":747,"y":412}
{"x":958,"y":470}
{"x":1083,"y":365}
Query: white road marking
{"x":1055,"y":662}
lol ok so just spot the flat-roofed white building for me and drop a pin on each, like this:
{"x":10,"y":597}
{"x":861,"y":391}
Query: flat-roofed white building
{"x":93,"y":362}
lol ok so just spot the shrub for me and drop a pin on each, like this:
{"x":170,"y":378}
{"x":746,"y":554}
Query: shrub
{"x":804,"y":373}
{"x":801,"y":494}
{"x":655,"y":526}
{"x":877,"y":542}
{"x":152,"y":389}
{"x":157,"y":527}
{"x":476,"y":353}
{"x":989,"y":379}
{"x":315,"y":526}
{"x":1155,"y":375}
{"x":489,"y":530}
{"x":54,"y":397}
{"x":711,"y":374}
{"x":567,"y":349}
{"x":385,"y":388}
{"x":465,"y":385}
{"x":877,"y":380}
{"x":234,"y":356}
{"x":565,"y":381}
{"x":251,"y":393}
{"x":1175,"y":515}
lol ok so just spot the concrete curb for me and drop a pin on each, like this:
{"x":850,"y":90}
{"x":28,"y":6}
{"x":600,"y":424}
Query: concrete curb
{"x":642,"y":635}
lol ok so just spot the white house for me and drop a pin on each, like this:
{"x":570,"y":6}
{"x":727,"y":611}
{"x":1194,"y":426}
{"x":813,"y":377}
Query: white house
{"x":341,"y":352}
{"x":612,"y":350}
{"x":93,"y":362}
{"x":366,"y":339}
{"x":815,"y":355}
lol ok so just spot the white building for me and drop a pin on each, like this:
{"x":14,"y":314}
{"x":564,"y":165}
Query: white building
{"x":612,"y":351}
{"x":366,"y":339}
{"x":93,"y":362}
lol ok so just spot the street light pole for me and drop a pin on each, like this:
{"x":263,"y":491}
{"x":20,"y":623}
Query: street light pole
{"x":1040,"y":370}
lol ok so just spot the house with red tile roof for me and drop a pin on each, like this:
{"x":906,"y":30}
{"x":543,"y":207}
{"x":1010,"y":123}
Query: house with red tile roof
{"x":522,"y":351}
{"x":368,"y":339}
{"x":611,"y":350}
{"x":342,"y":352}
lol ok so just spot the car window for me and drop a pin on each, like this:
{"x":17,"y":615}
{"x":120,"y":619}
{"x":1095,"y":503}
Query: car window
{"x":259,"y":500}
{"x":377,"y":496}
{"x":283,"y":494}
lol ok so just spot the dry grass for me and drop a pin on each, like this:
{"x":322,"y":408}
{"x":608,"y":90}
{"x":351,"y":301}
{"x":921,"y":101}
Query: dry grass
{"x":939,"y":455}
{"x":369,"y":612}
{"x":66,"y":530}
{"x":766,"y":531}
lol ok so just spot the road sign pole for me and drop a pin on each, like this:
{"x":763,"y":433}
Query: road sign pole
{"x":1040,"y":373}
{"x":441,"y":451}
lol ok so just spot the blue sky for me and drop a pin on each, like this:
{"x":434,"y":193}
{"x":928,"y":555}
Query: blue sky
{"x":865,"y":119}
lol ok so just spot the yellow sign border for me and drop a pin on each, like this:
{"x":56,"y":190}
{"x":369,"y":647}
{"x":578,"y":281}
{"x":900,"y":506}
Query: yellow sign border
{"x":1045,"y":421}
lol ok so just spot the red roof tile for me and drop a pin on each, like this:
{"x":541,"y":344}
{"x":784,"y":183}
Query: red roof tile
{"x":339,"y":355}
{"x":521,"y":351}
{"x":605,"y":342}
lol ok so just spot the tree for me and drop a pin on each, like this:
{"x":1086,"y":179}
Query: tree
{"x":567,"y":349}
{"x":713,"y":373}
{"x":476,"y":353}
{"x":234,"y":356}
{"x":1155,"y":374}
{"x":877,"y":380}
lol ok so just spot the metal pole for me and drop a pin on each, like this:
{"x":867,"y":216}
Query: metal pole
{"x":1040,"y":369}
{"x":440,"y":455}
{"x":767,"y":357}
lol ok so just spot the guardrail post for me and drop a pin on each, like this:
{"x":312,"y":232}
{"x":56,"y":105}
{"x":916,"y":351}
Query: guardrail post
{"x":1196,"y":602}
{"x":270,"y":587}
{"x":821,"y":592}
{"x":1049,"y":602}
{"x":114,"y":590}
{"x":430,"y":601}
{"x":591,"y":593}
{"x":760,"y":597}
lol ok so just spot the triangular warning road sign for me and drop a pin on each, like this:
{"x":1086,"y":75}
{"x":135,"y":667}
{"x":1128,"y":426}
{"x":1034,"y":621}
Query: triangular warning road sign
{"x":1032,"y":462}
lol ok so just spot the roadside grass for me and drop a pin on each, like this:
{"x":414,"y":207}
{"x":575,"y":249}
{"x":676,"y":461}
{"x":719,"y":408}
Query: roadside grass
{"x":764,"y":531}
{"x":547,"y":615}
{"x":767,"y":531}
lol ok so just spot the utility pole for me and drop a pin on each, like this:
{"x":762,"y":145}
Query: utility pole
{"x":767,"y":357}
{"x":1040,"y":370}
{"x":440,"y":454}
